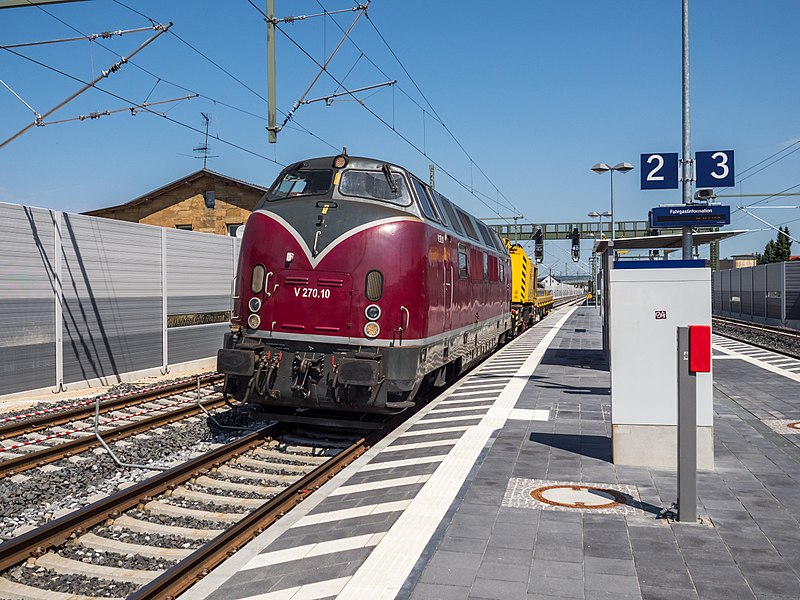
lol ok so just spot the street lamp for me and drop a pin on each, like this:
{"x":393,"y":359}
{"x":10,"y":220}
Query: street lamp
{"x":594,"y":215}
{"x":601,"y":168}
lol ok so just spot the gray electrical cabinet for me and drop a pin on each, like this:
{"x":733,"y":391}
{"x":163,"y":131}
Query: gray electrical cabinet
{"x":648,"y":301}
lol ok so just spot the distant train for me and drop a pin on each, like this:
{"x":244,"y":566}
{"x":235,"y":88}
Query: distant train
{"x":358,"y":284}
{"x":528,"y":303}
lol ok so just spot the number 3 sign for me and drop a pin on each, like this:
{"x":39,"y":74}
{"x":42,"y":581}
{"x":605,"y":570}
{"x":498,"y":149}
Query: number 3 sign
{"x":714,"y":168}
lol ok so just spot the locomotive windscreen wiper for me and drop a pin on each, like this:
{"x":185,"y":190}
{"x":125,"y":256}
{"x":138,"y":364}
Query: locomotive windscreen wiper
{"x":388,"y":174}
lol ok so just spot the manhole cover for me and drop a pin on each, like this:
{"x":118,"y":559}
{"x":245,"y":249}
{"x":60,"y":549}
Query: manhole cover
{"x":578,"y":496}
{"x":795,"y":425}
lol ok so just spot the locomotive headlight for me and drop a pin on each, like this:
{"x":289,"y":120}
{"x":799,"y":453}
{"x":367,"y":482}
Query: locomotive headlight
{"x":340,"y":162}
{"x":253,"y":321}
{"x":372,"y":312}
{"x":254,"y":304}
{"x":372,"y":329}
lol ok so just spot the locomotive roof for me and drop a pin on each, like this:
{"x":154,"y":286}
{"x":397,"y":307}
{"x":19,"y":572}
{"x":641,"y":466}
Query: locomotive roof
{"x":361,"y":162}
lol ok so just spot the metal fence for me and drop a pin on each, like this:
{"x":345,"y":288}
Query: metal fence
{"x":86,"y":298}
{"x":765,"y":293}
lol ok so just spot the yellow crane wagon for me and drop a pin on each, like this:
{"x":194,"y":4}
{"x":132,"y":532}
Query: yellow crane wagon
{"x":528,"y":302}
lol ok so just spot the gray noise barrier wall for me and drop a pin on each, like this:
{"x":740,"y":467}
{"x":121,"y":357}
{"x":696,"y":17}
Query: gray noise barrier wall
{"x":85,"y":299}
{"x":767,"y":294}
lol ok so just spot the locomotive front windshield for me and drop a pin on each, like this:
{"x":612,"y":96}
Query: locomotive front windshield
{"x":375,"y":186}
{"x":302,"y":183}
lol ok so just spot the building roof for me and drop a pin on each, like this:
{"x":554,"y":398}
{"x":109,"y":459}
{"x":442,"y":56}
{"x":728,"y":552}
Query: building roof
{"x":667,"y":242}
{"x":178,"y":182}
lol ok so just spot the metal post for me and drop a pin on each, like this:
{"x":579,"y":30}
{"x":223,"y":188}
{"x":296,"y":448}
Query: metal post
{"x":687,"y":432}
{"x":611,"y":241}
{"x":687,"y":135}
{"x":164,"y":296}
{"x":58,"y":288}
{"x":272,"y":119}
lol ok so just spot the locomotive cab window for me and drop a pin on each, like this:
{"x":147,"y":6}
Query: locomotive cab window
{"x":301,"y":183}
{"x":375,"y":186}
{"x":463,"y":265}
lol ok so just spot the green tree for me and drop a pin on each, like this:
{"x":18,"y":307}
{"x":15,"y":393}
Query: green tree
{"x":777,"y":250}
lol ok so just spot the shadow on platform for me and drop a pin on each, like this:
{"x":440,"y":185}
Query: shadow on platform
{"x":592,"y":446}
{"x":570,"y":357}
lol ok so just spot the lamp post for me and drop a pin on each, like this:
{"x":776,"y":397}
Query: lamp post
{"x":601,"y":168}
{"x":596,"y":215}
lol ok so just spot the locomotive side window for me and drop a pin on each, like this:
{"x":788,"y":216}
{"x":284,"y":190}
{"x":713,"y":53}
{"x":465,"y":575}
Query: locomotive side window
{"x":424,"y":201}
{"x":485,"y":267}
{"x":451,"y":213}
{"x":375,"y":186}
{"x":437,"y":206}
{"x":501,"y":271}
{"x":463,"y":266}
{"x":465,"y":220}
{"x":301,"y":183}
{"x":487,"y":237}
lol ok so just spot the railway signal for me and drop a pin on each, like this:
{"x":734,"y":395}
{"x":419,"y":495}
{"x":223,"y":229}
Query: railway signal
{"x":576,"y":245}
{"x":538,"y":246}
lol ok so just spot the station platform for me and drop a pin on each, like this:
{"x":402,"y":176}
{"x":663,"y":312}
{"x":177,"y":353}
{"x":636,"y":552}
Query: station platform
{"x":504,"y":488}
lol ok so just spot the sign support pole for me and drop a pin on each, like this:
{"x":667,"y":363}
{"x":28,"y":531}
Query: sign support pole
{"x":687,"y":432}
{"x":687,"y":135}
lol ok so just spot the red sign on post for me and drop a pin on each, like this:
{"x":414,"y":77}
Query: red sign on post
{"x":700,"y":348}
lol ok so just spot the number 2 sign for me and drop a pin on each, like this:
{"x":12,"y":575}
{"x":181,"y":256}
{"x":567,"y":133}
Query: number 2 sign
{"x":659,"y":171}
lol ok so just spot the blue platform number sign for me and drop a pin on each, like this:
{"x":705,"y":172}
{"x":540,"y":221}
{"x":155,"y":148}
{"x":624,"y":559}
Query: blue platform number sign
{"x":714,"y":168}
{"x":659,"y":171}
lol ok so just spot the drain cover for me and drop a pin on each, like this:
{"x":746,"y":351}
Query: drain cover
{"x":795,"y":425}
{"x":578,"y":496}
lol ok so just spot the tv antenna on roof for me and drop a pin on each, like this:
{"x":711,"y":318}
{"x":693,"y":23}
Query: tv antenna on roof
{"x":203,"y":148}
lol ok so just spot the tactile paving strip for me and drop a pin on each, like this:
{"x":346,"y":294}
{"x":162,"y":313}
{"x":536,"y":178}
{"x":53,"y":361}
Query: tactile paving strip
{"x":573,"y":496}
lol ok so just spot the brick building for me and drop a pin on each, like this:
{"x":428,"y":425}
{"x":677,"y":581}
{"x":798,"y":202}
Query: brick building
{"x":202,"y":201}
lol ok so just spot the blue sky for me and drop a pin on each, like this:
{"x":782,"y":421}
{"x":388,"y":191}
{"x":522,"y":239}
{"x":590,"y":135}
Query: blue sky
{"x":534,"y":93}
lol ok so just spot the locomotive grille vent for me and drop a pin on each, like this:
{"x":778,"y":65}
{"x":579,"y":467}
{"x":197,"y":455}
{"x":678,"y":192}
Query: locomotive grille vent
{"x":296,"y":280}
{"x":374,"y":288}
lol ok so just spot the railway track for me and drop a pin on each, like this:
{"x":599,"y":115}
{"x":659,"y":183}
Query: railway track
{"x":156,"y":538}
{"x":50,"y":445}
{"x":778,"y":339}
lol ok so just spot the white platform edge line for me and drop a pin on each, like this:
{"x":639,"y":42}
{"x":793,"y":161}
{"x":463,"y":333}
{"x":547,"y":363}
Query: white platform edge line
{"x":387,"y":567}
{"x":759,"y":363}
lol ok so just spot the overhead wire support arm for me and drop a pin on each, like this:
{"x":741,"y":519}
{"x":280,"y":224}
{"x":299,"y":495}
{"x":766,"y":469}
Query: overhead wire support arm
{"x":132,"y":109}
{"x":770,"y":225}
{"x":91,"y":37}
{"x":329,"y":98}
{"x":112,"y":69}
{"x":322,"y":14}
{"x":362,"y":10}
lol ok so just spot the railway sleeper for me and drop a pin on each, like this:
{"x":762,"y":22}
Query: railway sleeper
{"x":300,"y":458}
{"x":56,"y":562}
{"x":267,"y":466}
{"x":170,"y":510}
{"x":217,"y":500}
{"x":12,"y":589}
{"x":228,"y":471}
{"x":102,"y":544}
{"x":147,"y":527}
{"x":222,"y":484}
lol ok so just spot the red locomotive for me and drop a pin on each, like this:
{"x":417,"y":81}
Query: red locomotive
{"x":357,"y":284}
